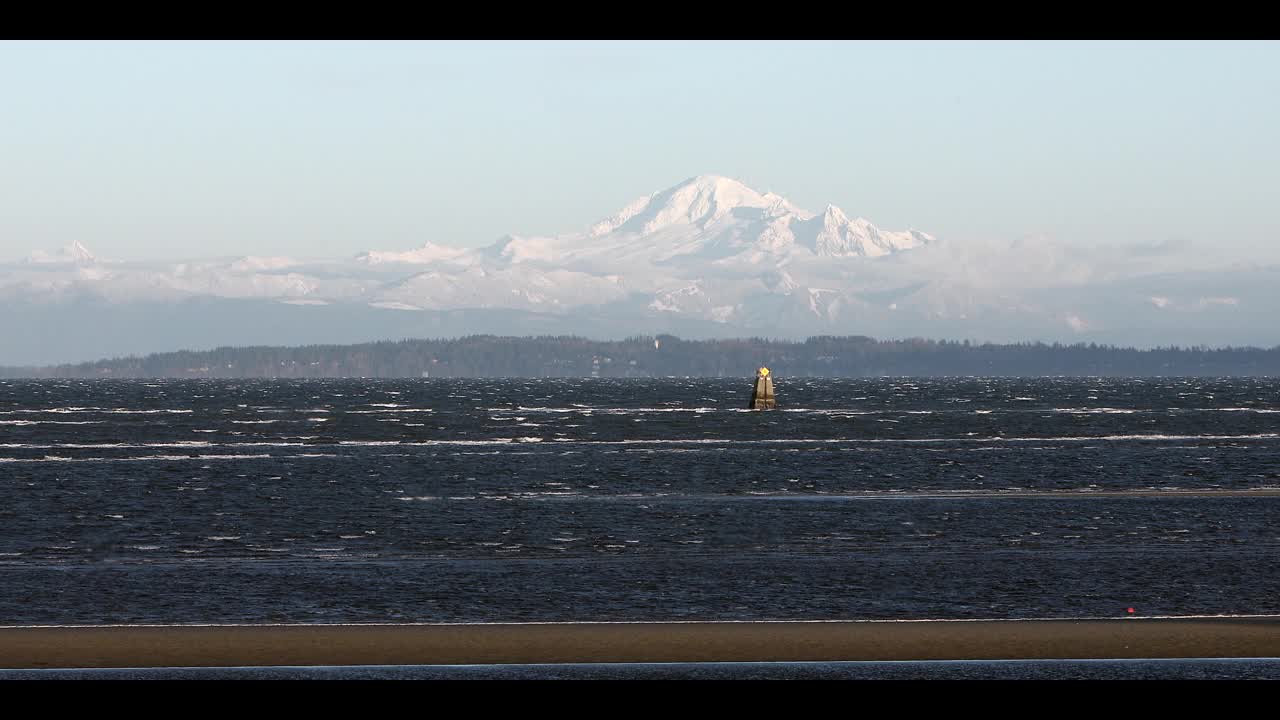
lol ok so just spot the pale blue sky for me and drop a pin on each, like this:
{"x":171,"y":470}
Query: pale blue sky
{"x":324,"y":149}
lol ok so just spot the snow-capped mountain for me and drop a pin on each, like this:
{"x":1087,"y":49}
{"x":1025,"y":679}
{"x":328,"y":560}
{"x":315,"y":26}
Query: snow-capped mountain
{"x":708,"y":217}
{"x":708,"y":256}
{"x":425,"y":255}
{"x":75,"y":253}
{"x":709,"y":231}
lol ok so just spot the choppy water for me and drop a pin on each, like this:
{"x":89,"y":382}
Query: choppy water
{"x":488,"y":500}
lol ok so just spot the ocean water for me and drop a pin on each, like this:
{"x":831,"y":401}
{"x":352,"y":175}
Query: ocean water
{"x":561,"y":500}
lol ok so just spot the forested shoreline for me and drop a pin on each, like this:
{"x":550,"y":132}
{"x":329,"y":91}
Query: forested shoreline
{"x":665,"y":355}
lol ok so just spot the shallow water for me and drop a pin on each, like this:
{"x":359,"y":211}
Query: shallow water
{"x":491,"y":500}
{"x":1192,"y":669}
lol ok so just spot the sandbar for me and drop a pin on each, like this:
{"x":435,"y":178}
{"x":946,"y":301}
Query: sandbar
{"x":150,"y":646}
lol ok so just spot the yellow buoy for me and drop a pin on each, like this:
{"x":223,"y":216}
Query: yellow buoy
{"x":762,"y":394}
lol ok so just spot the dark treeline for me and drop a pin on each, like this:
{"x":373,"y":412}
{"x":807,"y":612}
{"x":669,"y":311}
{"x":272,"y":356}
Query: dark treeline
{"x":490,"y":356}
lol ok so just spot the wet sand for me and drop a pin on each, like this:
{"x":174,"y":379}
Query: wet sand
{"x":153,"y":646}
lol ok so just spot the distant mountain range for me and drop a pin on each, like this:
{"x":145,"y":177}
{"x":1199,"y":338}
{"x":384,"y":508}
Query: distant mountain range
{"x":709,"y":257}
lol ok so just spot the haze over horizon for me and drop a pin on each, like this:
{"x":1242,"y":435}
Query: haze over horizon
{"x":161,"y":195}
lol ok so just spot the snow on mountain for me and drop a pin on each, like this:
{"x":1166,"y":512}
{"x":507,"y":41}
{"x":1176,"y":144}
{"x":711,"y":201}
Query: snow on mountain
{"x":779,"y":281}
{"x":716,"y":217}
{"x":709,"y":252}
{"x":427,"y":254}
{"x":688,"y":298}
{"x":525,"y":288}
{"x":254,"y":263}
{"x":610,"y":224}
{"x":197,"y":280}
{"x":518,"y":249}
{"x":708,"y":248}
{"x":71,"y":274}
{"x":833,"y":234}
{"x":698,"y":202}
{"x":708,"y":218}
{"x":75,"y":253}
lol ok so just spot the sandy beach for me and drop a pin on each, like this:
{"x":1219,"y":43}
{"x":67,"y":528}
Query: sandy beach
{"x":430,"y":644}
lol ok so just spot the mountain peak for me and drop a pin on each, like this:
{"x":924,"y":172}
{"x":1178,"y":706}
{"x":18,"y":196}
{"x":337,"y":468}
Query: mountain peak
{"x":720,"y":189}
{"x":429,"y":252}
{"x":697,"y":201}
{"x":713,"y":182}
{"x":73,"y":253}
{"x":79,"y":251}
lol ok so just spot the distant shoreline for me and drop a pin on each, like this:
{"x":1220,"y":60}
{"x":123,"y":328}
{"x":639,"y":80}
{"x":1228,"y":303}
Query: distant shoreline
{"x":663,"y":356}
{"x":650,"y":642}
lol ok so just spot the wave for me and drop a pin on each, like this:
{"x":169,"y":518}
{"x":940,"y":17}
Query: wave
{"x":142,"y":458}
{"x":614,"y":410}
{"x":88,"y":446}
{"x":993,"y":439}
{"x":873,"y":411}
{"x":112,"y":411}
{"x":51,"y":422}
{"x":651,"y":441}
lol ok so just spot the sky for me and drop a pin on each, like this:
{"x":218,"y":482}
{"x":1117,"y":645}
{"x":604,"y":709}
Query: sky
{"x":169,"y":150}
